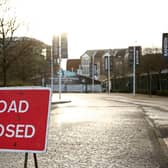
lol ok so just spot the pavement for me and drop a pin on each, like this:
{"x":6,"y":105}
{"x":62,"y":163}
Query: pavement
{"x":59,"y":100}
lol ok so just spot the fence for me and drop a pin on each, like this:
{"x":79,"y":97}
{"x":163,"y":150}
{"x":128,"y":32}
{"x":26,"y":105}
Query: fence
{"x":81,"y":88}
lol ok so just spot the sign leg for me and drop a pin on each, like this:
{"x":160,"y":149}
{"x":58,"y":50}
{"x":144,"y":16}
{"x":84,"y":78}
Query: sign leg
{"x":26,"y":158}
{"x":35,"y":160}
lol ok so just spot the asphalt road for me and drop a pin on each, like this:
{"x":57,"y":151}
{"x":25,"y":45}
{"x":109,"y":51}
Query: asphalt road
{"x":96,"y":131}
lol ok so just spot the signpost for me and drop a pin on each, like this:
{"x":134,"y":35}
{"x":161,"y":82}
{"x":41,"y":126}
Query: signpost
{"x":24,"y":115}
{"x":108,"y":68}
{"x":134,"y":59}
{"x":59,"y":51}
{"x":137,"y":50}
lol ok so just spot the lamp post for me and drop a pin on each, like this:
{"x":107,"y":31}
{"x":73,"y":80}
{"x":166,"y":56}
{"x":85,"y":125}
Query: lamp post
{"x":134,"y":71}
{"x":109,"y":82}
{"x":93,"y":71}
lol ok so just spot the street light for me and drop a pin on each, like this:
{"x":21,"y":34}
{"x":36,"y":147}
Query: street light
{"x":109,"y":81}
{"x":93,"y":70}
{"x":134,"y":70}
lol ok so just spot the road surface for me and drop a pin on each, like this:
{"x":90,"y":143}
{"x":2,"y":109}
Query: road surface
{"x":98,"y":131}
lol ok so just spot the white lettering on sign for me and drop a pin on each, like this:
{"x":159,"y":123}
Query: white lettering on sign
{"x":2,"y":130}
{"x":21,"y":106}
{"x":17,"y":131}
{"x":4,"y":106}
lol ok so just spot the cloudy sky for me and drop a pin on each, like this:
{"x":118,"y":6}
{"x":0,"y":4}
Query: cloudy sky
{"x":95,"y":24}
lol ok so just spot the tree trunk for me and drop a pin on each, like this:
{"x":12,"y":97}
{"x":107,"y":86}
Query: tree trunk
{"x":4,"y":70}
{"x":4,"y":76}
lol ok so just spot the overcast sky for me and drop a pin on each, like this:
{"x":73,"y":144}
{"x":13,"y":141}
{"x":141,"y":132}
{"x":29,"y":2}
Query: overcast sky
{"x":96,"y":24}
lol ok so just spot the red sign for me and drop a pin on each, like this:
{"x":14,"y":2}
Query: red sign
{"x":24,"y":115}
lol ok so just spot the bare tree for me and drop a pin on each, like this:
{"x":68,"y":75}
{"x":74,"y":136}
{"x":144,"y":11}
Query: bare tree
{"x":8,"y":26}
{"x":26,"y":61}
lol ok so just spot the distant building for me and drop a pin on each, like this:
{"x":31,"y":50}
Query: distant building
{"x":95,"y":62}
{"x":73,"y":65}
{"x":92,"y":63}
{"x":85,"y":65}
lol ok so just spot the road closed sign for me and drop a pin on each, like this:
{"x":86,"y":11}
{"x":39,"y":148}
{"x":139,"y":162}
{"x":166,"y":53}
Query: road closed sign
{"x":24,"y":115}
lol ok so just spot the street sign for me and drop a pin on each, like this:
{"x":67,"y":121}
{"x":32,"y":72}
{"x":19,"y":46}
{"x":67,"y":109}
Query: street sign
{"x":138,"y":53}
{"x":62,"y":43}
{"x":64,"y":46}
{"x":55,"y":47}
{"x":165,"y":45}
{"x":24,"y":115}
{"x":106,"y":63}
